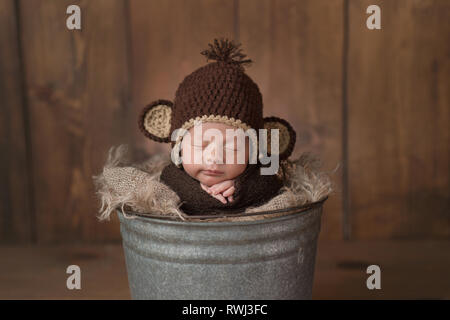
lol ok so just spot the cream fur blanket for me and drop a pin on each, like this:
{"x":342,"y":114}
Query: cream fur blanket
{"x":136,"y":187}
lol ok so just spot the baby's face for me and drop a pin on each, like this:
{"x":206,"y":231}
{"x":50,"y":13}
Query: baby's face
{"x":201,"y":154}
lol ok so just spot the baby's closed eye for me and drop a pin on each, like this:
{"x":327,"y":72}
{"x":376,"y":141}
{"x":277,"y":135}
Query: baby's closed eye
{"x":227,"y":147}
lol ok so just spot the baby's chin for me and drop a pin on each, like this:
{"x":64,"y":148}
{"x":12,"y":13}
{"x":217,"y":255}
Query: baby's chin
{"x":208,"y":180}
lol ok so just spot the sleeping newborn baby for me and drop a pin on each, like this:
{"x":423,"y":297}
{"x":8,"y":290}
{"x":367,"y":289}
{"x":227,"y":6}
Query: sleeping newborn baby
{"x":216,"y":176}
{"x":218,"y":184}
{"x":213,"y":126}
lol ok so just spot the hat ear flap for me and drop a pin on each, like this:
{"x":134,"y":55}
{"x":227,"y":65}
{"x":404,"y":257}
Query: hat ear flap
{"x":286,"y":135}
{"x":155,"y":120}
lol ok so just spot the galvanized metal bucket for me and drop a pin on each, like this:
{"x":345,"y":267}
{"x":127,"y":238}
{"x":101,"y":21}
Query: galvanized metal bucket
{"x":271,"y":258}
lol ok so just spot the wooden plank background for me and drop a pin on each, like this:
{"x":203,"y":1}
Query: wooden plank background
{"x":375,"y":103}
{"x":398,"y":121}
{"x":77,"y":88}
{"x":16,"y":213}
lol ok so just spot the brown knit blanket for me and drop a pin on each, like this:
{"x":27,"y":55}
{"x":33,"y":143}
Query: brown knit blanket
{"x":251,"y":189}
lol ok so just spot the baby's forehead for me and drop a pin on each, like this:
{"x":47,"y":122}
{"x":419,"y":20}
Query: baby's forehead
{"x":209,"y":129}
{"x":213,"y":125}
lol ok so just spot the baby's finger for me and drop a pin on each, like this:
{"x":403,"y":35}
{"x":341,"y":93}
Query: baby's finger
{"x":218,"y":196}
{"x":205,"y":188}
{"x":221,"y":198}
{"x":222,"y":186}
{"x":230,"y":198}
{"x":228,"y":192}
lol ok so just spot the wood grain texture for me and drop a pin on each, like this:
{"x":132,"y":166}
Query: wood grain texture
{"x":398,"y":82}
{"x":16,"y":216}
{"x":296,"y":47}
{"x":78,"y":92}
{"x":167,"y":38}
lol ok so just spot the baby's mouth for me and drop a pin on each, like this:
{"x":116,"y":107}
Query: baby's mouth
{"x":212,"y":172}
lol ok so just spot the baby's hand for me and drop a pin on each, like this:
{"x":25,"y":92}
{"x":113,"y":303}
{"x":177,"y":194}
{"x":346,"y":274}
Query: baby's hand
{"x":221,"y":191}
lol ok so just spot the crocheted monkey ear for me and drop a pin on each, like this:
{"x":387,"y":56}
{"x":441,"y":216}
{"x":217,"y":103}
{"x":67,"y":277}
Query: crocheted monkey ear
{"x":286,"y":135}
{"x":154,"y":120}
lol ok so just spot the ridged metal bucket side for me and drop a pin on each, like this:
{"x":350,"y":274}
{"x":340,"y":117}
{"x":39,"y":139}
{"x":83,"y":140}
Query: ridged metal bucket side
{"x":263,"y":259}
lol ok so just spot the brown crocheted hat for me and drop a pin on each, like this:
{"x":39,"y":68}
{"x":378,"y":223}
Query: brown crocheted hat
{"x":217,"y":92}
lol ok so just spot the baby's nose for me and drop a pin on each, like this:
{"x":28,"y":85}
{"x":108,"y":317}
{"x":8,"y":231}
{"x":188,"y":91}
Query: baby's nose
{"x":213,"y":155}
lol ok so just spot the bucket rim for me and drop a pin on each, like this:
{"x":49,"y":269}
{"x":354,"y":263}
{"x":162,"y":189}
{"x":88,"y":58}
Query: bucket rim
{"x":155,"y":218}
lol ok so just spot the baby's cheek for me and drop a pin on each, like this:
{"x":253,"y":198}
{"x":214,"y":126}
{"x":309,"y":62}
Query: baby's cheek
{"x":191,"y":155}
{"x":186,"y":153}
{"x":234,"y":170}
{"x":190,"y":167}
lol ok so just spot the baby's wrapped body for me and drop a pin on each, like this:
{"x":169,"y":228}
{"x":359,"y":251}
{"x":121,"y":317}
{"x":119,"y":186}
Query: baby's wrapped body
{"x":251,"y":189}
